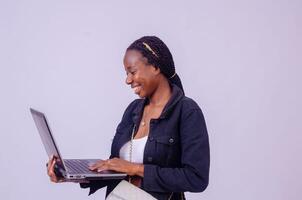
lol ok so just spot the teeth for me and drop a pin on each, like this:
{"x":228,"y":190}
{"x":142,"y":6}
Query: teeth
{"x":136,"y":89}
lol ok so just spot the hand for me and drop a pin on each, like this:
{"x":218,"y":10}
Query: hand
{"x":54,"y":178}
{"x":50,"y":171}
{"x":118,"y":165}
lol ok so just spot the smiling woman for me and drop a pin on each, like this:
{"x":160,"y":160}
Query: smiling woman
{"x":140,"y":75}
{"x":161,"y":142}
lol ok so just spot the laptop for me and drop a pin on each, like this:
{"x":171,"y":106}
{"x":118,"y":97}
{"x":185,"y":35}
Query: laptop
{"x":70,"y":169}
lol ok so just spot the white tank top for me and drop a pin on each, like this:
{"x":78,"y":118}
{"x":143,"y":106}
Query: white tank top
{"x":138,"y":147}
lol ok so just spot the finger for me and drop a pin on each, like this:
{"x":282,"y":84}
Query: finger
{"x":52,"y":165}
{"x":51,"y":168}
{"x":61,"y":180}
{"x":108,"y":165}
{"x":116,"y":164}
{"x":97,"y":165}
{"x":53,"y":177}
{"x":93,"y":167}
{"x":53,"y":180}
{"x":103,"y":168}
{"x":51,"y":160}
{"x":49,"y":163}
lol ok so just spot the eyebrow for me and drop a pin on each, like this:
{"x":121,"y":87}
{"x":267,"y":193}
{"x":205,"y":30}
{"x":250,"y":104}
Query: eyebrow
{"x":130,"y":68}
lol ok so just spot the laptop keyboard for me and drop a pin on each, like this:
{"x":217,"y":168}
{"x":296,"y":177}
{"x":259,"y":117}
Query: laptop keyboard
{"x":78,"y":166}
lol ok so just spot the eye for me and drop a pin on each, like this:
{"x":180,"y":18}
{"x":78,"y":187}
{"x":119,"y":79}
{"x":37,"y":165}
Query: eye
{"x":132,"y":73}
{"x":131,"y":70}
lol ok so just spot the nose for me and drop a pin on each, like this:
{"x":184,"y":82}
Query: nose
{"x":128,"y":79}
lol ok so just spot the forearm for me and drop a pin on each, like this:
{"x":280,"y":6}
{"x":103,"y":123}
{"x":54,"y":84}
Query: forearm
{"x":175,"y":179}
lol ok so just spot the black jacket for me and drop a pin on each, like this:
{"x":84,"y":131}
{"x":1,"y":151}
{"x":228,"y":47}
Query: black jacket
{"x":176,"y":155}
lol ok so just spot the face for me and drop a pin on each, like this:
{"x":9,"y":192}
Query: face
{"x":141,"y":76}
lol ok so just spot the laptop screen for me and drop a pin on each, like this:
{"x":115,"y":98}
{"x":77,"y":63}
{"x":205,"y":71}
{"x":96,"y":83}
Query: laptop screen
{"x":46,"y":136}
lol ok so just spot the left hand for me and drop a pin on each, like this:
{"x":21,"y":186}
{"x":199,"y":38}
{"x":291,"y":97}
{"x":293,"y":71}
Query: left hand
{"x":116,"y":164}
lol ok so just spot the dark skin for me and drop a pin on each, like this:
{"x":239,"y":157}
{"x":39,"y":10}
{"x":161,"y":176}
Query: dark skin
{"x":147,"y":82}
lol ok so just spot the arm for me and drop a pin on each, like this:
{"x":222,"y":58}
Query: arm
{"x":97,"y":184}
{"x":193,"y":174}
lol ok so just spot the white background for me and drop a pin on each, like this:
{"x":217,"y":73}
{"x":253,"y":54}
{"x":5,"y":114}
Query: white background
{"x":240,"y":60}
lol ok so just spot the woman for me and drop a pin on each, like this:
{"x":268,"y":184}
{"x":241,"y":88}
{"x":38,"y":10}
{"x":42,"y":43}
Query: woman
{"x":170,"y":147}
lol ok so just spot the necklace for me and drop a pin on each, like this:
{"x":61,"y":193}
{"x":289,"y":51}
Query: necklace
{"x":143,"y":120}
{"x":143,"y":123}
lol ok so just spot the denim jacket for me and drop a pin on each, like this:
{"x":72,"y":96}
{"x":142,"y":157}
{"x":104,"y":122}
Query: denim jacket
{"x":176,"y":155}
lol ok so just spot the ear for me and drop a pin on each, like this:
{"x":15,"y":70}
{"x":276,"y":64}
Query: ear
{"x":155,"y":70}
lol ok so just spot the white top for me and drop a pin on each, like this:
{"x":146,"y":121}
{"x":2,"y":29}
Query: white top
{"x":138,"y":147}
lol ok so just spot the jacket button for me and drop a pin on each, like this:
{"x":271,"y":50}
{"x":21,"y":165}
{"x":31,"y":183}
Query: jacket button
{"x":171,"y":140}
{"x":150,"y":159}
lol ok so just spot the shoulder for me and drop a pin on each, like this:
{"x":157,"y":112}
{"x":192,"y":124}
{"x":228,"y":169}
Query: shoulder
{"x":128,"y":113}
{"x":192,"y":119}
{"x":188,"y":104}
{"x":133,"y":105}
{"x":190,"y":109}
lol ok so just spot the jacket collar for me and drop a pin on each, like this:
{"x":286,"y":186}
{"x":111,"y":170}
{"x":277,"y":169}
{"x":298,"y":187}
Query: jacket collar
{"x":176,"y":96}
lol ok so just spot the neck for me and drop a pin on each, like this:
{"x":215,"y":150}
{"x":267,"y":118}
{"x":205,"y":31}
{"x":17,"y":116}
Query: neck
{"x":161,"y":95}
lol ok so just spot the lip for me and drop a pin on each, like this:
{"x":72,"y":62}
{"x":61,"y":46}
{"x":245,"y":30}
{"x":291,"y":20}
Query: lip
{"x":133,"y":86}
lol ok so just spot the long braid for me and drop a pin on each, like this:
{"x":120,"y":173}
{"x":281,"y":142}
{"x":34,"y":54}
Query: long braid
{"x":157,"y":54}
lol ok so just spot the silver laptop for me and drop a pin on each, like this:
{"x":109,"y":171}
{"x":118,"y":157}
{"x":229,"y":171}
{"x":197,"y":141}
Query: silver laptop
{"x":71,"y":169}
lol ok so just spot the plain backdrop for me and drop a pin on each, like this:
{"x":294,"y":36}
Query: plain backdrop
{"x":239,"y":60}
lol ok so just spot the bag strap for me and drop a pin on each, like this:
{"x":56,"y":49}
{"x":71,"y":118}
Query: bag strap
{"x":130,"y":150}
{"x":130,"y":159}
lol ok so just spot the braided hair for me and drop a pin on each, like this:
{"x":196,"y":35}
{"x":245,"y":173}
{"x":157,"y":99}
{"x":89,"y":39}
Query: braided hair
{"x":157,"y":54}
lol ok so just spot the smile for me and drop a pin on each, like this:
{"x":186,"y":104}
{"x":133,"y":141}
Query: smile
{"x":136,"y":89}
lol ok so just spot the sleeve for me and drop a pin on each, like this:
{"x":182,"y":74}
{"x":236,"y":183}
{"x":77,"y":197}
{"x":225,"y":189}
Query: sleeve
{"x":193,"y":175}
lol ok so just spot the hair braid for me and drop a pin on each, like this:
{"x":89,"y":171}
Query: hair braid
{"x":158,"y":54}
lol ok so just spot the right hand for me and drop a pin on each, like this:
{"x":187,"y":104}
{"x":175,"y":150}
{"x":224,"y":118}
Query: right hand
{"x":50,"y":171}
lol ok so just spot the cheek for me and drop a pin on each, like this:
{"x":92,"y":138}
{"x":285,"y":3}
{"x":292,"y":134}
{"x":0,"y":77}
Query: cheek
{"x":139,"y":78}
{"x":147,"y":88}
{"x":144,"y":80}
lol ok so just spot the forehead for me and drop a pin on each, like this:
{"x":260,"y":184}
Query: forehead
{"x":133,"y":58}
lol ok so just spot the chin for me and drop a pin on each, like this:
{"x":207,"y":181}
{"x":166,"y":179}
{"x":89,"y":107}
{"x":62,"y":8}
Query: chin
{"x":142,"y":94}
